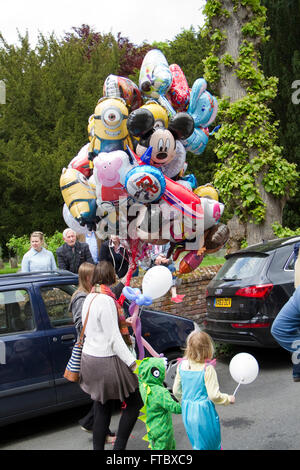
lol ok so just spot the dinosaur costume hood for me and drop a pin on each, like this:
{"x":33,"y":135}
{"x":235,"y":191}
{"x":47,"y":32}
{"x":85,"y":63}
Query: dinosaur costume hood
{"x":152,"y":371}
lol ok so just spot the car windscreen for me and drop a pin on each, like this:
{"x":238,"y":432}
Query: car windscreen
{"x":241,"y":267}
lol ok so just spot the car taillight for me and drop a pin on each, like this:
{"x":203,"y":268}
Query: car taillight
{"x":255,"y":291}
{"x":206,"y":293}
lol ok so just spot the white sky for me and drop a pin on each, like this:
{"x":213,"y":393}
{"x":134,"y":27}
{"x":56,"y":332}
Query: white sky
{"x":139,"y":20}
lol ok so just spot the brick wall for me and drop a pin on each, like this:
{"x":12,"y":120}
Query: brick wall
{"x":193,"y":286}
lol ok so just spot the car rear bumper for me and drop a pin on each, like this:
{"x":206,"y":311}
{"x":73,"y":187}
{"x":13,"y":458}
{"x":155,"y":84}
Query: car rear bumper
{"x":224,"y":332}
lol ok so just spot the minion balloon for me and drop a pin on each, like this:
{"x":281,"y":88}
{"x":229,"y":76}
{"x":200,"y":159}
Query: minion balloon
{"x":161,"y":118}
{"x":79,"y":196}
{"x":110,"y":131}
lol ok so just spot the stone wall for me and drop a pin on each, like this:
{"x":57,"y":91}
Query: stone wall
{"x":193,"y":286}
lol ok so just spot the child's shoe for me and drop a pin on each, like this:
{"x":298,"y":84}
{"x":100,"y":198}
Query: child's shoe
{"x":177,"y":299}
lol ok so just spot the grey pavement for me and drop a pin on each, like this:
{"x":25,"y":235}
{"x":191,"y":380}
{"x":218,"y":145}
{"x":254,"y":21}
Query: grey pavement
{"x":264,"y":417}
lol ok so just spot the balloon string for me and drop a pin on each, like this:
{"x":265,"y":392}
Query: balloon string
{"x":130,"y":272}
{"x":133,"y":266}
{"x":137,"y":329}
{"x":236,"y":388}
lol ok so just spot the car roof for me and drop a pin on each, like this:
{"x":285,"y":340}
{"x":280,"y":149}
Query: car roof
{"x":18,"y":278}
{"x":267,"y":246}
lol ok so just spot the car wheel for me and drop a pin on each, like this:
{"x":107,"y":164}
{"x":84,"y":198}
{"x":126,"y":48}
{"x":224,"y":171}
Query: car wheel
{"x":171,"y":368}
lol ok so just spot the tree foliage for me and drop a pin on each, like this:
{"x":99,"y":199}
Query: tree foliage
{"x":281,"y":58}
{"x":251,"y":160}
{"x":50,"y":93}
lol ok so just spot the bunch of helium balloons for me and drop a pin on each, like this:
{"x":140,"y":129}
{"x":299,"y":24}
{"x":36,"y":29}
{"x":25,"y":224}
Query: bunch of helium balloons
{"x":130,"y":178}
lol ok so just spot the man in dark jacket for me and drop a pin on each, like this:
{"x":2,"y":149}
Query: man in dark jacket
{"x":112,"y":251}
{"x":72,"y":253}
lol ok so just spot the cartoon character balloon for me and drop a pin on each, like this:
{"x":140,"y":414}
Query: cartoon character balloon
{"x":107,"y":170}
{"x":110,"y":171}
{"x":203,"y":108}
{"x":162,"y":140}
{"x":155,"y":78}
{"x":120,"y":87}
{"x":110,"y":127}
{"x":79,"y":196}
{"x":179,"y":92}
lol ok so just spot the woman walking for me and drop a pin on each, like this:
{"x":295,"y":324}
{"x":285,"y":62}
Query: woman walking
{"x":85,"y":275}
{"x":107,"y":364}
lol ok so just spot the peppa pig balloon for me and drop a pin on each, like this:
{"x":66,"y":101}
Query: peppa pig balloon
{"x":110,"y":170}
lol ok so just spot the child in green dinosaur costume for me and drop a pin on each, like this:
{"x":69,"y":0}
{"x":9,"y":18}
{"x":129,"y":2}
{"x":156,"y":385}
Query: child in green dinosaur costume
{"x":158,"y":404}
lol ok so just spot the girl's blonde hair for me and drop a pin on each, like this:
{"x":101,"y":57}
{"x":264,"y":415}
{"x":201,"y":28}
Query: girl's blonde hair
{"x":85,"y":275}
{"x":199,"y":347}
{"x":39,"y":235}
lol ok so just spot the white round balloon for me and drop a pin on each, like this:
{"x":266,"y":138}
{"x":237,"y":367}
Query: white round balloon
{"x":157,"y":282}
{"x":72,"y":223}
{"x":243,"y":368}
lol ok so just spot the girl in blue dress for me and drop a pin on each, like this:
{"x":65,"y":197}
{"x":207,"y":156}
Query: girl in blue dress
{"x":196,"y":386}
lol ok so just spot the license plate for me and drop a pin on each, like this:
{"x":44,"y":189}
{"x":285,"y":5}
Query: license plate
{"x":223,"y":302}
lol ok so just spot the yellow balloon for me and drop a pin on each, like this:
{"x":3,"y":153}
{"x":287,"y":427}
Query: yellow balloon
{"x":207,"y":191}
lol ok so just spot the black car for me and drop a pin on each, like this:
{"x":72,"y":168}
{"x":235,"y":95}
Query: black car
{"x":248,"y":292}
{"x":37,"y":335}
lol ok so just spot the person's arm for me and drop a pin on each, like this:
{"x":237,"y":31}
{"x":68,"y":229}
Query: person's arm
{"x":104,"y":253}
{"x":109,"y":322}
{"x":297,"y":266}
{"x":177,"y":388}
{"x":87,"y":254}
{"x":212,"y":387}
{"x":53,"y":266}
{"x":25,"y":264}
{"x":169,"y":404}
{"x":76,"y":310}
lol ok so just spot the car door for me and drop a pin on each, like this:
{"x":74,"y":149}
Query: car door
{"x":26,"y":375}
{"x":54,"y":298}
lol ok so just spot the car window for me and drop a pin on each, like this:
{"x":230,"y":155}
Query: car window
{"x":57,"y":300}
{"x":290,"y":265}
{"x":241,"y":267}
{"x":16,"y":314}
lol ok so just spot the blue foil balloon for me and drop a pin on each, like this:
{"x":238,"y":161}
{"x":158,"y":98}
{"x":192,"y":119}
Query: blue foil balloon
{"x":145,"y":184}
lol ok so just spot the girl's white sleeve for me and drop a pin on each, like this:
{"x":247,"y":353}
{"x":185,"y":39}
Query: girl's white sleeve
{"x":212,"y":387}
{"x":53,"y":266}
{"x":177,"y":388}
{"x":109,"y":322}
{"x":25,"y":268}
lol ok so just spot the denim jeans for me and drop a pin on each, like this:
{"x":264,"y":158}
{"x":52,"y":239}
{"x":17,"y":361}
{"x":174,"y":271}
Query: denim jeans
{"x":286,"y":329}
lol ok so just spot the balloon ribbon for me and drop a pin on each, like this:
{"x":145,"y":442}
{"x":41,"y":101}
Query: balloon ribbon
{"x":137,"y":329}
{"x":237,"y":388}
